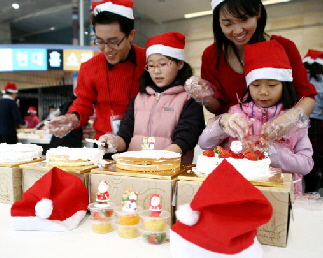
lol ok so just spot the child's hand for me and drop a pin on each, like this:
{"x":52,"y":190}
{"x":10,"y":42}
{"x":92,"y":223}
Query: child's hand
{"x":201,"y":90}
{"x":281,"y":125}
{"x":234,"y":124}
{"x":109,"y":143}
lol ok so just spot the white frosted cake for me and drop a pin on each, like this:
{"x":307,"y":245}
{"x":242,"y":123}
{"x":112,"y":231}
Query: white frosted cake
{"x":19,"y":153}
{"x":72,"y":157}
{"x":254,"y":166}
{"x":148,"y":160}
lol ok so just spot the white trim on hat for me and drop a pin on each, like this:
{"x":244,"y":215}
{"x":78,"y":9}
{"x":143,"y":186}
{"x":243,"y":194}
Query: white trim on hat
{"x":166,"y":50}
{"x":114,"y":8}
{"x":215,"y":3}
{"x":181,"y":248}
{"x":9,"y":90}
{"x":279,"y":74}
{"x":37,"y":223}
{"x":310,"y":60}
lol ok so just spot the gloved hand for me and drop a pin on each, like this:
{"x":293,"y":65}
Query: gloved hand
{"x":201,"y":90}
{"x":234,"y":124}
{"x":109,"y":143}
{"x":62,"y":125}
{"x":284,"y":124}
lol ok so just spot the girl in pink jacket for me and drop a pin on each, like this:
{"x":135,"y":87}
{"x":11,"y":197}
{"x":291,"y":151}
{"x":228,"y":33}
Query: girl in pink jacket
{"x":270,"y":92}
{"x":162,"y":116}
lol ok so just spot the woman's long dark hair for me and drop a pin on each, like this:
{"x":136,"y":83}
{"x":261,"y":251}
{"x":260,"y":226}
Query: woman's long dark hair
{"x":182,"y":75}
{"x":288,"y":99}
{"x":239,"y":9}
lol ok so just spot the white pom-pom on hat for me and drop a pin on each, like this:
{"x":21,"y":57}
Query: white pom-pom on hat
{"x":44,"y":208}
{"x":186,"y":215}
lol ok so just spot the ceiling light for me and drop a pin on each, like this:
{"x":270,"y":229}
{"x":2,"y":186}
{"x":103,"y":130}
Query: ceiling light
{"x":15,"y":6}
{"x":204,"y":13}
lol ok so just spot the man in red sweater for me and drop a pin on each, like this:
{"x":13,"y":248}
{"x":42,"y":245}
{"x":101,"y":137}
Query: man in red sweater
{"x":109,"y":80}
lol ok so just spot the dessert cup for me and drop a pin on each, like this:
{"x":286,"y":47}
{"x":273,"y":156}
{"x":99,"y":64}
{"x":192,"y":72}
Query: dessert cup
{"x":101,"y":211}
{"x":154,"y":224}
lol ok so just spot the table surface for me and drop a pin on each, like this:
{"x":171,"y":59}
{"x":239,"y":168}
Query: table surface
{"x":305,"y":240}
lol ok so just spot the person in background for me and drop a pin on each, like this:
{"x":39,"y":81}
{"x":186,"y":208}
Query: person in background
{"x":10,"y":117}
{"x":237,"y":23}
{"x":270,"y":93}
{"x":74,"y":138}
{"x":162,"y":115}
{"x":109,"y":80}
{"x":32,"y":119}
{"x":313,"y":62}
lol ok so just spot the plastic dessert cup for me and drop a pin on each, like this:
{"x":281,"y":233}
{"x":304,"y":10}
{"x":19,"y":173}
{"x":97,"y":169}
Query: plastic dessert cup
{"x":155,"y":237}
{"x":102,"y":226}
{"x":101,"y":211}
{"x":128,"y":231}
{"x":155,"y":224}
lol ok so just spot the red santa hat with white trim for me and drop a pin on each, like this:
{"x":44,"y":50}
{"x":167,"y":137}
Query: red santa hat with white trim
{"x":10,"y":87}
{"x":120,"y":7}
{"x":313,"y":56}
{"x":32,"y":110}
{"x":222,"y":219}
{"x":168,"y":44}
{"x":266,"y":60}
{"x":58,"y":201}
{"x":215,"y":3}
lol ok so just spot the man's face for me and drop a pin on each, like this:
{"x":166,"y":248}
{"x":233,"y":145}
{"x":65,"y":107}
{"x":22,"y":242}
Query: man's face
{"x":112,"y":42}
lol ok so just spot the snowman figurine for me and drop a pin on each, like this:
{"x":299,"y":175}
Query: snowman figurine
{"x":102,"y":196}
{"x":155,"y":206}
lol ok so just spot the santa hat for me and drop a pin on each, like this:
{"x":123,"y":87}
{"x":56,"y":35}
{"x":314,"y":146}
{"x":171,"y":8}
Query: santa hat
{"x":10,"y":87}
{"x":215,"y":3}
{"x":56,"y":202}
{"x":120,"y":7}
{"x":313,"y":56}
{"x":169,"y":44}
{"x":266,"y":60}
{"x":32,"y":110}
{"x":222,"y":219}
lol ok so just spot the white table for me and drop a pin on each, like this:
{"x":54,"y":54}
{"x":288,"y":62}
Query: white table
{"x":305,"y":241}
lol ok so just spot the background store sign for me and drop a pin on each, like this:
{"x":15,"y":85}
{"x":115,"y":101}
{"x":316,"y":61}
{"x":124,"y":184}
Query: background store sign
{"x":42,"y":59}
{"x":73,"y":58}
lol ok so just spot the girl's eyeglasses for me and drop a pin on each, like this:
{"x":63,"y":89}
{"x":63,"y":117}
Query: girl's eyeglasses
{"x":111,"y":43}
{"x":160,"y":66}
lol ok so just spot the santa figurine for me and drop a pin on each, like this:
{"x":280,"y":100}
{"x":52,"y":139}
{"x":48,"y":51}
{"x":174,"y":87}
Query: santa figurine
{"x":102,"y":195}
{"x":155,"y":206}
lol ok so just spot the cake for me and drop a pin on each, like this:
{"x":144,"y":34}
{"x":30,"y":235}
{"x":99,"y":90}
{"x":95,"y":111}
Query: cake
{"x":19,"y":153}
{"x":102,"y":226}
{"x":254,"y":165}
{"x":72,"y":157}
{"x":148,"y":160}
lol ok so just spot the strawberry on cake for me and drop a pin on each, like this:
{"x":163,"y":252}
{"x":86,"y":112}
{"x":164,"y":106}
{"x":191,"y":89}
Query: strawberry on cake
{"x":252,"y":164}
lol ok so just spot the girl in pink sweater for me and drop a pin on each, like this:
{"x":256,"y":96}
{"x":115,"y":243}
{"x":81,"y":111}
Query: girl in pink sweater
{"x":270,"y":93}
{"x":162,"y":116}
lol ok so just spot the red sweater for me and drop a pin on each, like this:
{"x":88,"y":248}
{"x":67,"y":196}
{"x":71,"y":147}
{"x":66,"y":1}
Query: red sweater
{"x":107,"y":91}
{"x":229,"y":83}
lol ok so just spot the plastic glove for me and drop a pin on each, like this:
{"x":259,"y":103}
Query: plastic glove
{"x":109,"y":143}
{"x":199,"y":89}
{"x":281,"y":125}
{"x":62,"y":125}
{"x":234,"y":124}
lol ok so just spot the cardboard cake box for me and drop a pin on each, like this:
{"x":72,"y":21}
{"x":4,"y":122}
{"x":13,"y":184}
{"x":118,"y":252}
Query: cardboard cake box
{"x":275,"y":232}
{"x":11,"y":182}
{"x":144,"y":183}
{"x":33,"y":171}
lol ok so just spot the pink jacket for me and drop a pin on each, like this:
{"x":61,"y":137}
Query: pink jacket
{"x":292,"y":153}
{"x":152,"y":118}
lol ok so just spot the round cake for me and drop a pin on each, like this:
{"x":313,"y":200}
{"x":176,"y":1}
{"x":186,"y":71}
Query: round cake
{"x":149,"y":160}
{"x":19,"y":153}
{"x":253,"y":165}
{"x":72,"y":157}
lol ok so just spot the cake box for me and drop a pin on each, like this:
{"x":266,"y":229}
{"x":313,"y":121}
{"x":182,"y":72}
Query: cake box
{"x":275,"y":232}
